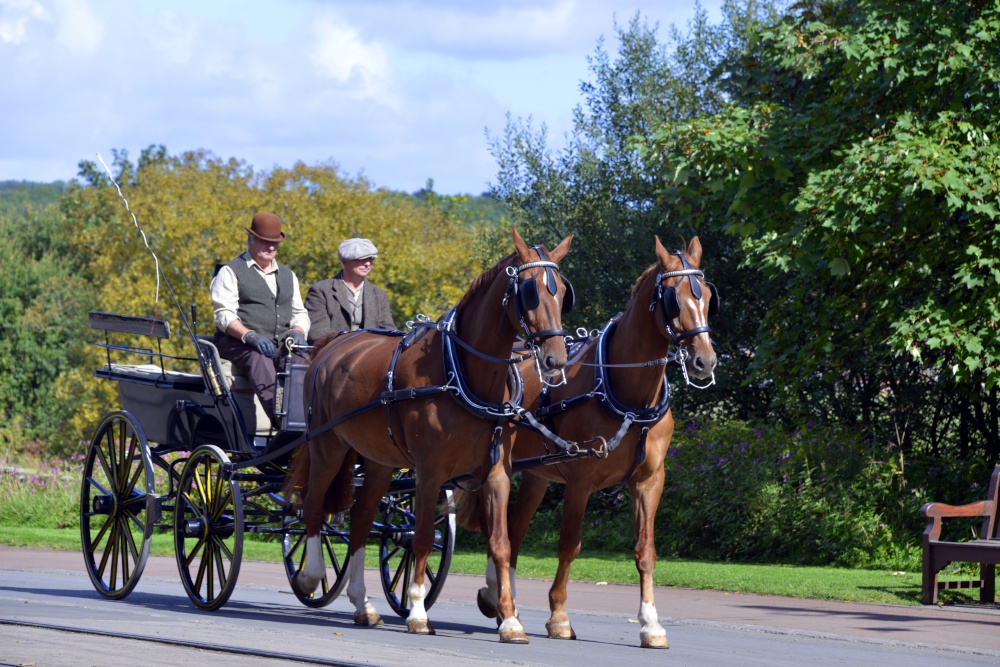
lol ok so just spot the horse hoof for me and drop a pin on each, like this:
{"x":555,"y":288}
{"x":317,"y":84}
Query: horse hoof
{"x":486,"y":608}
{"x":298,"y":588}
{"x":421,"y":627}
{"x":367,"y":619}
{"x":512,"y":632}
{"x":513,"y":637}
{"x":560,"y":630}
{"x":655,"y":641}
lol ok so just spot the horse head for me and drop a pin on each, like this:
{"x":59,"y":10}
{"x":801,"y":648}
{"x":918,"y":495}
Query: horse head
{"x":540,"y":297}
{"x":683,"y":303}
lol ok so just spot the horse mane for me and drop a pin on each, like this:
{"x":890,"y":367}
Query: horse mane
{"x":635,"y":288}
{"x":487,"y":277}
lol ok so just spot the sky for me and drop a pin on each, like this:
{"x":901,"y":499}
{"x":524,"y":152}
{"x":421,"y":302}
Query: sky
{"x":394,"y":91}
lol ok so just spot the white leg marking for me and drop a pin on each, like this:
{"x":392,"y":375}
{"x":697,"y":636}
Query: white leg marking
{"x":513,"y":586}
{"x":649,"y":624}
{"x":356,"y":581}
{"x":314,"y":569}
{"x":417,"y":611}
{"x":511,"y":624}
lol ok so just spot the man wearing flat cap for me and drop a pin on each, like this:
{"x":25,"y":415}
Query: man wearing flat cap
{"x":348,"y":301}
{"x":257,"y":306}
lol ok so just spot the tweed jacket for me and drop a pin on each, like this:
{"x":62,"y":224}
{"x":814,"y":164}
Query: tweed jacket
{"x":329,"y":308}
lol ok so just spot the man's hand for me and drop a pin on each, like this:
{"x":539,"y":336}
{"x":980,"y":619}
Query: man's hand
{"x":262,"y":344}
{"x":298,"y":338}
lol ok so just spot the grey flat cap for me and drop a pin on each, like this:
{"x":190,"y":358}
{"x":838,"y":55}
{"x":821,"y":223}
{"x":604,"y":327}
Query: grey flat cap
{"x":356,"y":249}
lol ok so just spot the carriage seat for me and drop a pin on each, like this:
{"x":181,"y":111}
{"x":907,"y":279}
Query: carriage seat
{"x":257,"y":421}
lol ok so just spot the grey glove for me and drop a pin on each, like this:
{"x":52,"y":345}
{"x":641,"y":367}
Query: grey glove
{"x":262,"y":344}
{"x":298,"y":338}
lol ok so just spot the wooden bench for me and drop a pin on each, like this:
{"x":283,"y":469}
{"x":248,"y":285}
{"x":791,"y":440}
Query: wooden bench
{"x":984,"y":550}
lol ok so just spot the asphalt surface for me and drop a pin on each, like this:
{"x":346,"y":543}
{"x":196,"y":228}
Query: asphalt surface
{"x":925,"y":635}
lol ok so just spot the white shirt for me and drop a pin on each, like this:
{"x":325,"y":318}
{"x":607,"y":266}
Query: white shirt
{"x":226,"y":294}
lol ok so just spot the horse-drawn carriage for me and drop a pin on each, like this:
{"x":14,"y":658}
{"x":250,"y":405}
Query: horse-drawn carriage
{"x":194,"y":453}
{"x":425,"y":412}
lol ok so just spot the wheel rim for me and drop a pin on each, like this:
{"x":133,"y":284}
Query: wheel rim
{"x":116,"y":526}
{"x":336,"y":553}
{"x":396,"y":557}
{"x":208,"y":528}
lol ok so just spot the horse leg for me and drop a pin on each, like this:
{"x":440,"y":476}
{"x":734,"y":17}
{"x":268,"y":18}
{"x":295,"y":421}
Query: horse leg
{"x":374,"y":487}
{"x":570,"y":538}
{"x":325,"y":457}
{"x":645,"y":498}
{"x":529,"y":496}
{"x":495,"y":495}
{"x":424,"y":510}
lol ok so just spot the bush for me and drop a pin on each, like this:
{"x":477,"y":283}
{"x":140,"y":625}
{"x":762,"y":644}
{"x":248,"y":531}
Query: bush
{"x":48,"y":498}
{"x":814,"y":495}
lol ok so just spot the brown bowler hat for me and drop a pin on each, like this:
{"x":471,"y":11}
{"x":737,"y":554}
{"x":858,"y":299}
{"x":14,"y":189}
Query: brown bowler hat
{"x":266,"y":226}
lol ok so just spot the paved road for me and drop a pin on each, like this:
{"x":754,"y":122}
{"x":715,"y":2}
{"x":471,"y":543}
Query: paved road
{"x":704,"y":627}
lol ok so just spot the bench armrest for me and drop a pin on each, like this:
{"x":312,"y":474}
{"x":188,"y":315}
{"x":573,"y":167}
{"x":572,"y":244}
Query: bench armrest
{"x":937,"y":512}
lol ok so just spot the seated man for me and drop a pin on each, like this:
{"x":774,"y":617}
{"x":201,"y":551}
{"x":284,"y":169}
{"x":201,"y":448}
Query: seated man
{"x":348,"y":302}
{"x":257,"y":306}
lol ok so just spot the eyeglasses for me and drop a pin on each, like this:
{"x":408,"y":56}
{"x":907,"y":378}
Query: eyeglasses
{"x":367,"y":260}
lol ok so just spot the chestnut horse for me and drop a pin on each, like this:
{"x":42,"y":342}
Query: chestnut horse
{"x":615,"y":409}
{"x":433,"y":402}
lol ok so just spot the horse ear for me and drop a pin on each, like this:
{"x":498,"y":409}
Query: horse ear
{"x":661,"y":254}
{"x":694,"y":251}
{"x":520,"y":246}
{"x":561,"y":249}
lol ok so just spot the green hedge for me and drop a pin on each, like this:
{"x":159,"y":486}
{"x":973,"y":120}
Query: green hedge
{"x":812,"y":496}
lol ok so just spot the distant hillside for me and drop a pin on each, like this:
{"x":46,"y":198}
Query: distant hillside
{"x":16,"y":197}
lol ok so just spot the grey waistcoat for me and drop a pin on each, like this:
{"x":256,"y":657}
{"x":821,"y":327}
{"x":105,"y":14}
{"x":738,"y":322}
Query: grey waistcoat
{"x":259,"y":309}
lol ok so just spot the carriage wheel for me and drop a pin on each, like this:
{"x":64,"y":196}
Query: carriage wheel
{"x":335,"y":545}
{"x":117,"y":505}
{"x":396,"y":558}
{"x":208,"y":528}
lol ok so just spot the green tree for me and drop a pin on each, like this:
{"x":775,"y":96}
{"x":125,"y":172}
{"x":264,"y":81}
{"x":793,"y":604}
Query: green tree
{"x":43,"y":305}
{"x":192,"y":209}
{"x":858,"y":164}
{"x":598,"y":187}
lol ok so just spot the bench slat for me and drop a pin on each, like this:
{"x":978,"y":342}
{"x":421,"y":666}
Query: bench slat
{"x":141,"y":326}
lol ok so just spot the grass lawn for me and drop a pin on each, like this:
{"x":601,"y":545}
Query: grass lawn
{"x":804,"y":582}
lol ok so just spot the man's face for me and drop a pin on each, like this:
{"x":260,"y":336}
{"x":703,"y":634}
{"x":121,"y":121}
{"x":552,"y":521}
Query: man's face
{"x":358,"y":268}
{"x":262,"y":251}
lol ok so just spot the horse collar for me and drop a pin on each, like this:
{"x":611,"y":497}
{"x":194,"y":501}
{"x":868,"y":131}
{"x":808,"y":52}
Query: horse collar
{"x":641,"y":415}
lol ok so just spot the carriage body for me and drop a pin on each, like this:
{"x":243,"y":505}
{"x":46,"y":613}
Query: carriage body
{"x":194,"y":454}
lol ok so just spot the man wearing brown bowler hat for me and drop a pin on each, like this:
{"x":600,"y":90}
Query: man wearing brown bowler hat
{"x":257,"y":306}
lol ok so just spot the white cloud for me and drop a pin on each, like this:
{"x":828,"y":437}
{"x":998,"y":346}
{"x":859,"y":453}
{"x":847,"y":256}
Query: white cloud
{"x":340,"y":53}
{"x":399,"y":99}
{"x":15,"y":15}
{"x":79,"y":30}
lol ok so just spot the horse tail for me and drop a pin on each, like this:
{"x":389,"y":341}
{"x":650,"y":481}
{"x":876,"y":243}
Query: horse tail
{"x":469,"y":510}
{"x":340,"y":494}
{"x":297,"y":481}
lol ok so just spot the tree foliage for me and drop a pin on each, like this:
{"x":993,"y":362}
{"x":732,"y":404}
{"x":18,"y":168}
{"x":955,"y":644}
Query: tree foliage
{"x":191,"y":210}
{"x":857,"y":163}
{"x":598,"y":187}
{"x":42,"y":310}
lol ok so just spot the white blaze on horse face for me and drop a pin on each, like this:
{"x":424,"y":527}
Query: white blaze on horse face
{"x":356,"y":581}
{"x":314,"y":569}
{"x":649,"y":624}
